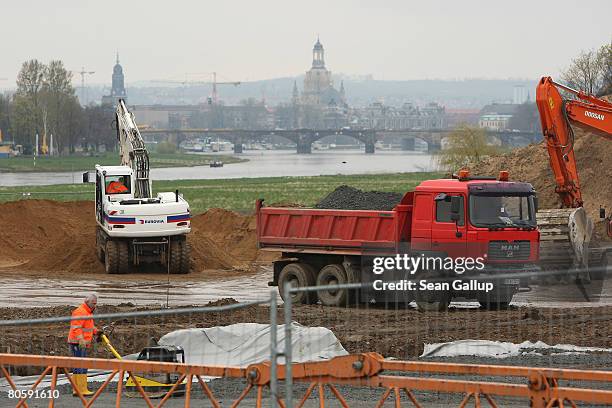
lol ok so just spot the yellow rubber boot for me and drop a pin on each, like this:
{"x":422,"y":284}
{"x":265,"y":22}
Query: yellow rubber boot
{"x":81,"y":383}
{"x":85,"y":391}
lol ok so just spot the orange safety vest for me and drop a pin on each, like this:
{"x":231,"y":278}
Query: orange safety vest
{"x":116,"y":187}
{"x":82,"y":328}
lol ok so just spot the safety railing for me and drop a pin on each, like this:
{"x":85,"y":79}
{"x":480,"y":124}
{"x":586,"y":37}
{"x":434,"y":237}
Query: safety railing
{"x":37,"y":370}
{"x":454,"y":382}
{"x":540,"y":387}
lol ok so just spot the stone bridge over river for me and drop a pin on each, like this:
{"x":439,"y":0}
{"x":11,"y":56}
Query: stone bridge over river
{"x":304,"y":138}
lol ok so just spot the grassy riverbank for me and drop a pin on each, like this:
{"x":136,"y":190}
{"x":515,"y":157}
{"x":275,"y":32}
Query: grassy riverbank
{"x":83,"y":163}
{"x":237,"y":194}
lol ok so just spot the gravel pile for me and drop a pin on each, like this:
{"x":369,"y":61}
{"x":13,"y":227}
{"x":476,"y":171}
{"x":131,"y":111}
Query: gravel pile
{"x":350,"y":198}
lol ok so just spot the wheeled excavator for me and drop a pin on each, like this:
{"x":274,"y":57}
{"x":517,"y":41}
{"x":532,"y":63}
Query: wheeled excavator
{"x":133,"y":226}
{"x":566,"y":233}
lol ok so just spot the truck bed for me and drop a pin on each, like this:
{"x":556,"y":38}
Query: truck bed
{"x":331,"y":231}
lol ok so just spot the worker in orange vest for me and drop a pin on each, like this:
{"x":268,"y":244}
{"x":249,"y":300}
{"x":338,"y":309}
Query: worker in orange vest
{"x":117,"y":187}
{"x":80,"y":337}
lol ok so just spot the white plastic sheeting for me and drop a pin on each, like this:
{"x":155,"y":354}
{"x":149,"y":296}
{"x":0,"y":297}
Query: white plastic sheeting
{"x":248,"y":343}
{"x":238,"y":345}
{"x":498,"y":349}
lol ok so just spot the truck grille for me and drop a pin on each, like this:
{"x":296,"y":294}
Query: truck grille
{"x":509,"y":250}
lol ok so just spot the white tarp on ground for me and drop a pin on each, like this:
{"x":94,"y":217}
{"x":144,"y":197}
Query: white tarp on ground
{"x":248,"y":343}
{"x":237,"y":345}
{"x":498,"y":349}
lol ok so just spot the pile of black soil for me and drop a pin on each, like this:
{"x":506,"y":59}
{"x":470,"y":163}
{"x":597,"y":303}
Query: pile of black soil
{"x":350,"y":198}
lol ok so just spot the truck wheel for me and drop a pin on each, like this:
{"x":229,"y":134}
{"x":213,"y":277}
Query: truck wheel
{"x":332,"y":274}
{"x":298,"y":275}
{"x":496,"y":301}
{"x":180,"y":261}
{"x":116,"y":259}
{"x":432,"y":302}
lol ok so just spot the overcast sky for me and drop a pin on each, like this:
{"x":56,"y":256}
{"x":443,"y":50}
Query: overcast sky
{"x":250,"y":40}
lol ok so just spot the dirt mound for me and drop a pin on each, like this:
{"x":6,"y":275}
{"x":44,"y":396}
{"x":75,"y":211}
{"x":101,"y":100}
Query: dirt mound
{"x":350,"y":198}
{"x":222,"y":239}
{"x":531,"y":164}
{"x":49,"y":235}
{"x":59,"y":237}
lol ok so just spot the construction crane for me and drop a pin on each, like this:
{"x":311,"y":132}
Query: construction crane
{"x":133,"y":226}
{"x":567,"y":231}
{"x":82,"y":73}
{"x":215,"y":95}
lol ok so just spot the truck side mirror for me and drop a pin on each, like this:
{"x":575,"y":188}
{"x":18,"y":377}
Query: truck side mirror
{"x":602,"y":213}
{"x":536,"y":204}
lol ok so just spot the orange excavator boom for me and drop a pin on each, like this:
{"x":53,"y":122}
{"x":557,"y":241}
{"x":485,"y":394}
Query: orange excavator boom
{"x":557,"y":116}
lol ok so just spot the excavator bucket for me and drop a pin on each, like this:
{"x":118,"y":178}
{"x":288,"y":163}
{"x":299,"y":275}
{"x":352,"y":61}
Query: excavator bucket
{"x":580,"y":232}
{"x":565,"y":237}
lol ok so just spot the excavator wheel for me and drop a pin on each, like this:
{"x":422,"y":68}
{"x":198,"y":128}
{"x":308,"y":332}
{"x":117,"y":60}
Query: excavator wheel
{"x":180,"y":252}
{"x":100,"y":253}
{"x":116,"y":257}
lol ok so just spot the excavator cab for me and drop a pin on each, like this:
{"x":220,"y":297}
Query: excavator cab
{"x":117,"y":184}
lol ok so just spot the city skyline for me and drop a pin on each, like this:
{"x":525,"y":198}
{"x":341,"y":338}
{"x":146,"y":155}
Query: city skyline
{"x":388,"y":40}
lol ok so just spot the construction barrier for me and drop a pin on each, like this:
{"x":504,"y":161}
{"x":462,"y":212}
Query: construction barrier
{"x":539,"y":386}
{"x":35,"y":366}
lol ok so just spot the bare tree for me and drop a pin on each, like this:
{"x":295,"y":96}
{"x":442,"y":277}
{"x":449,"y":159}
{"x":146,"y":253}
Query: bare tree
{"x":467,"y":145}
{"x":31,"y":78}
{"x":59,"y":100}
{"x":586,"y":71}
{"x":606,"y":56}
{"x":30,"y":82}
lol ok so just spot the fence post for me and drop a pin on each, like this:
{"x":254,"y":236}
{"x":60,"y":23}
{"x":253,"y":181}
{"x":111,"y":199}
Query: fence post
{"x":287,"y":352}
{"x":273,"y":350}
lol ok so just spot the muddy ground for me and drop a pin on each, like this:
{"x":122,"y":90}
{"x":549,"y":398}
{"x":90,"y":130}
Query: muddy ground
{"x":399,"y":332}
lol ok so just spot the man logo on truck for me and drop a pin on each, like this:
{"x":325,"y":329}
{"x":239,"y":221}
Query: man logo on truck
{"x":510,"y":248}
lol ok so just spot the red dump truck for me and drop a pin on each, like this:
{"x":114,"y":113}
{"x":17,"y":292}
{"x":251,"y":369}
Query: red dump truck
{"x":488,"y":220}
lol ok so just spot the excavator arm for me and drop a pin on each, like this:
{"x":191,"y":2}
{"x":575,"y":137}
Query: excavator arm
{"x":132,"y":150}
{"x":557,"y":116}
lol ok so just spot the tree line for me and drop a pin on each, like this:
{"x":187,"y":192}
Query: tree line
{"x":45,"y":103}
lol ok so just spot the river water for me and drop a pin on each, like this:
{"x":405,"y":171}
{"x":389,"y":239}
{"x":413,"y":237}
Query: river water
{"x":264,"y":163}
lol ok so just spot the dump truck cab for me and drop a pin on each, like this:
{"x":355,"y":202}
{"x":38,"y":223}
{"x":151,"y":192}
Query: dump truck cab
{"x":476,"y":217}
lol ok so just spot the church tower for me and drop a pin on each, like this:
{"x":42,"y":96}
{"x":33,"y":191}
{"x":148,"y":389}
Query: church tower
{"x":118,"y":86}
{"x":318,"y":80}
{"x":318,"y":55}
